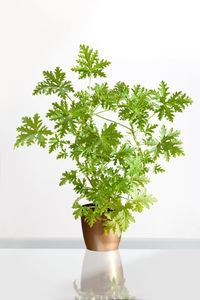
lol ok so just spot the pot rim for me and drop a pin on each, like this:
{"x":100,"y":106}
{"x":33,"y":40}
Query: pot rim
{"x":92,"y":205}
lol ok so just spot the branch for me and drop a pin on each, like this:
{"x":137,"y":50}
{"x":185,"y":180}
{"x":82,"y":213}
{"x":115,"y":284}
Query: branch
{"x":90,"y":80}
{"x":79,"y":164}
{"x":151,"y":116}
{"x":69,"y":97}
{"x":113,"y":122}
{"x":102,"y":111}
{"x":135,"y":139}
{"x":77,"y":160}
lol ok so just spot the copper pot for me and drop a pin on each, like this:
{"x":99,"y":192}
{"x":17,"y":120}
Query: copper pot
{"x":95,"y":238}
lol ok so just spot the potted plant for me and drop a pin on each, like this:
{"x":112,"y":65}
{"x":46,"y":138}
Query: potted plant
{"x":113,"y":159}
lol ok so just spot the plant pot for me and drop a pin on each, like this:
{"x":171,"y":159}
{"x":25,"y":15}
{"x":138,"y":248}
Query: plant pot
{"x":95,"y":238}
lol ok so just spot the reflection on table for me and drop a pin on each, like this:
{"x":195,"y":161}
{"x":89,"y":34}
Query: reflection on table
{"x":102,"y":277}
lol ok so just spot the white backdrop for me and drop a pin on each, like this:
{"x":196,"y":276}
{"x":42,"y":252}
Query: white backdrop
{"x":146,"y":41}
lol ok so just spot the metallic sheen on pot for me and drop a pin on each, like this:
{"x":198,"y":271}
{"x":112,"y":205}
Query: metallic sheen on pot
{"x":95,"y":238}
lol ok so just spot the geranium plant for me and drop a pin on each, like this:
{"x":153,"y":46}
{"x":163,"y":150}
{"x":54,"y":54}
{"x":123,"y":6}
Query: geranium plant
{"x":113,"y":160}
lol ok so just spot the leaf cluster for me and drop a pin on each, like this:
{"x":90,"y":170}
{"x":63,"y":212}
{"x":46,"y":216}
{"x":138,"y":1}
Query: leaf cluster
{"x":113,"y":161}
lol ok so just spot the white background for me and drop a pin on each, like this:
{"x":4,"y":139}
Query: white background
{"x":147,"y":41}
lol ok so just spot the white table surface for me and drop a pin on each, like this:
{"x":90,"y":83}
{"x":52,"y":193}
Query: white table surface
{"x":55,"y":274}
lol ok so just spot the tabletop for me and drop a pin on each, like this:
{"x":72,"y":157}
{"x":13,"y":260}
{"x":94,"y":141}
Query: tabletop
{"x":72,"y":274}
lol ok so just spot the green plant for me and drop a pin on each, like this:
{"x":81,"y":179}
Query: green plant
{"x":113,"y":160}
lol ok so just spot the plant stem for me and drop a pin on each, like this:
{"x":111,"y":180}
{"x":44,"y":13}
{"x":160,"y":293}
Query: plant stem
{"x":90,"y":80}
{"x":113,"y":121}
{"x":135,"y":139}
{"x":69,"y":98}
{"x":77,"y":160}
{"x":151,"y":116}
{"x":131,"y":129}
{"x":79,"y":165}
{"x":100,"y":112}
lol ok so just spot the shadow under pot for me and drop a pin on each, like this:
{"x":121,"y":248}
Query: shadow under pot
{"x":95,"y":238}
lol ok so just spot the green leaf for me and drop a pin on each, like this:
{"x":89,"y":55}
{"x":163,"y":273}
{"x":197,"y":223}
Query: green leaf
{"x":164,"y":90}
{"x":142,"y":198}
{"x":126,"y":218}
{"x":136,"y":166}
{"x":136,"y":108}
{"x":78,"y":210}
{"x":89,"y":63}
{"x":62,"y":155}
{"x":54,"y":83}
{"x":110,"y":136}
{"x":149,"y":130}
{"x":32,"y":131}
{"x":119,"y":219}
{"x":91,"y":218}
{"x":112,"y":225}
{"x":68,"y":177}
{"x":109,"y":99}
{"x":177,"y":102}
{"x":81,"y":110}
{"x":121,"y":90}
{"x":158,"y":169}
{"x":139,"y":180}
{"x":168,"y":144}
{"x":65,"y":122}
{"x":72,"y":177}
{"x":104,"y":96}
{"x":124,"y":154}
{"x":56,"y":142}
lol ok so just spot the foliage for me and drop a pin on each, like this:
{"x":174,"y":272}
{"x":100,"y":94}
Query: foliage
{"x":89,"y":64}
{"x":112,"y":161}
{"x":32,"y":131}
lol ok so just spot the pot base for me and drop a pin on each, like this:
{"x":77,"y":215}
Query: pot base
{"x":95,"y":238}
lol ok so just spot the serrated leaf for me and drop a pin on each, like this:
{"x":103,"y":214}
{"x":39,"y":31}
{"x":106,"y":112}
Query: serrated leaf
{"x":177,"y":102}
{"x":168,"y":144}
{"x":56,"y":142}
{"x":65,"y":122}
{"x":32,"y":131}
{"x":68,"y":177}
{"x":54,"y":83}
{"x":143,"y":199}
{"x":110,"y":136}
{"x":158,"y":169}
{"x":149,"y":130}
{"x":62,"y":155}
{"x":137,"y":106}
{"x":89,"y":63}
